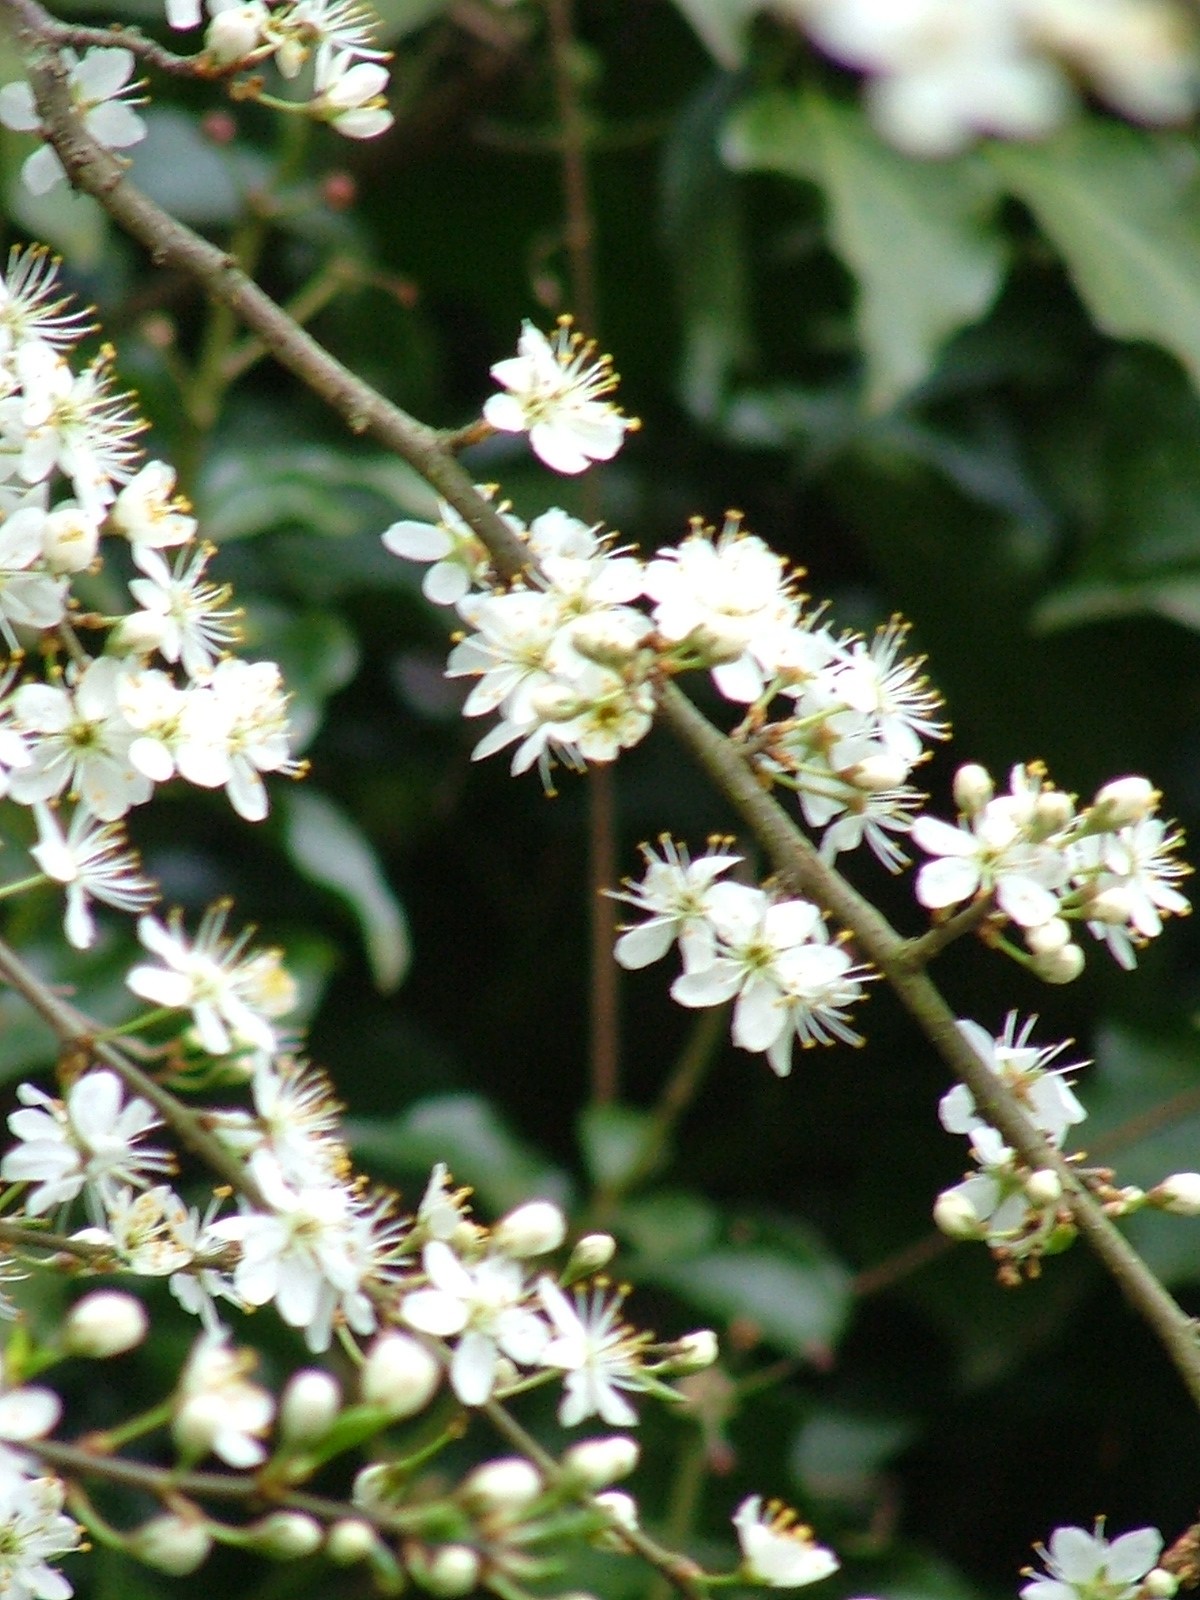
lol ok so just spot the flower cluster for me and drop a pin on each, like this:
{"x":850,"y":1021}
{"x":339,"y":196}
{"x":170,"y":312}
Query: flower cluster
{"x":942,"y":72}
{"x":772,"y":956}
{"x":1043,"y":863}
{"x":100,"y":91}
{"x":164,"y":697}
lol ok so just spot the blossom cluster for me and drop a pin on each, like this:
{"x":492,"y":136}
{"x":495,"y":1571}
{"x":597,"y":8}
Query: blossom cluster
{"x":1045,"y":863}
{"x":163,"y":697}
{"x":941,"y":72}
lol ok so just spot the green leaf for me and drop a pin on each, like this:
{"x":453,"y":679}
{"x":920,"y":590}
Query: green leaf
{"x":613,"y":1138}
{"x":915,"y":234}
{"x":795,"y":1293}
{"x":1122,"y":207}
{"x":316,"y":652}
{"x":330,"y":849}
{"x":667,"y":1225}
{"x":837,"y":1455}
{"x":185,"y":172}
{"x":468,"y":1134}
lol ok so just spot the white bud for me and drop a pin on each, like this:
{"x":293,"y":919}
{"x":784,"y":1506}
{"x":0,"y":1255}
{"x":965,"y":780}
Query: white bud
{"x":138,"y":634}
{"x":1159,"y":1584}
{"x":1048,"y":937}
{"x":308,"y":1406}
{"x":106,"y":1323}
{"x":554,"y":702}
{"x":234,"y":34}
{"x":530,"y":1230}
{"x":1052,"y":811}
{"x":506,"y":1485}
{"x":596,"y":1463}
{"x":349,"y":1541}
{"x":1043,"y":1187}
{"x":1123,"y":801}
{"x":1059,"y":966}
{"x":877,"y":773}
{"x":606,"y":640}
{"x":400,"y":1375}
{"x":592,"y":1253}
{"x":70,"y":539}
{"x":1113,"y":905}
{"x":956,"y":1217}
{"x":1179,"y":1194}
{"x":695,"y":1351}
{"x":621,"y":1507}
{"x":375,"y":1486}
{"x":286,"y":1535}
{"x":973,"y":788}
{"x":450,"y":1571}
{"x":173,"y":1544}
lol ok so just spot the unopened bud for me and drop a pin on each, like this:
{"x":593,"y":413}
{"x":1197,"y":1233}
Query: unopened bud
{"x":955,"y":1216}
{"x":70,"y":539}
{"x":106,"y":1323}
{"x":507,"y":1485}
{"x":138,"y":634}
{"x":877,"y":773}
{"x":309,"y":1405}
{"x":973,"y":788}
{"x":694,"y":1352}
{"x":1123,"y":801}
{"x":1113,"y":905}
{"x":1052,"y":811}
{"x":591,"y":1254}
{"x":286,"y":1535}
{"x":1179,"y":1194}
{"x":448,"y":1572}
{"x":1048,"y":937}
{"x":400,"y":1375}
{"x":376,"y":1486}
{"x":1159,"y":1584}
{"x":554,"y":702}
{"x":1043,"y":1187}
{"x":530,"y":1230}
{"x":349,"y":1541}
{"x":173,"y":1544}
{"x":234,"y":34}
{"x":621,"y":1507}
{"x":608,"y":641}
{"x":597,"y":1463}
{"x":1059,"y":966}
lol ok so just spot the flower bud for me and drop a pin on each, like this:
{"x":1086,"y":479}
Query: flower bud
{"x":400,"y":1375}
{"x":70,"y":539}
{"x":954,"y":1214}
{"x":608,"y":641}
{"x":376,"y":1486}
{"x":554,"y":702}
{"x":448,"y":1572}
{"x":973,"y":788}
{"x":1059,"y":966}
{"x":138,"y":634}
{"x":349,"y":1541}
{"x":106,"y":1323}
{"x":1044,"y":1187}
{"x":506,"y":1485}
{"x":234,"y":34}
{"x":1048,"y":937}
{"x":591,"y":1254}
{"x":596,"y":1463}
{"x":286,"y":1535}
{"x":530,"y":1230}
{"x":694,"y":1351}
{"x":308,"y":1406}
{"x":622,"y":1508}
{"x":1159,"y":1584}
{"x":877,"y":773}
{"x":1178,"y":1194}
{"x":172,"y":1543}
{"x":1052,"y":811}
{"x":1123,"y":801}
{"x":1112,"y":905}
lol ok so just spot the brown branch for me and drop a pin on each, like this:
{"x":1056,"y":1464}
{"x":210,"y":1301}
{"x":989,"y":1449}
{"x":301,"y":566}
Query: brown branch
{"x":70,"y":35}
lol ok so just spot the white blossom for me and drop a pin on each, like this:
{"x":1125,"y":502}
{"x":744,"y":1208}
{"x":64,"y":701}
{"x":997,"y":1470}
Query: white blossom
{"x":1087,"y":1566}
{"x":777,"y":1550}
{"x":98,"y":86}
{"x":599,"y":1355}
{"x":94,"y":861}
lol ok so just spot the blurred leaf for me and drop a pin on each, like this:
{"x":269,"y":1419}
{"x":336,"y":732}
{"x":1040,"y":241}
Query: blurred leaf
{"x":398,"y":18}
{"x":1177,"y":599}
{"x":466,"y":1132}
{"x":316,"y":652}
{"x":797,"y":1296}
{"x":915,"y":234}
{"x":612,"y":1138}
{"x":837,"y":1455}
{"x":330,"y":849}
{"x":705,"y":236}
{"x":74,"y":224}
{"x":667,"y":1225}
{"x":723,"y":27}
{"x":185,"y":172}
{"x":1122,"y":208}
{"x":250,"y":492}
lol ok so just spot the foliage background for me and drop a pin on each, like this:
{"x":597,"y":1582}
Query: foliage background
{"x":963,"y":391}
